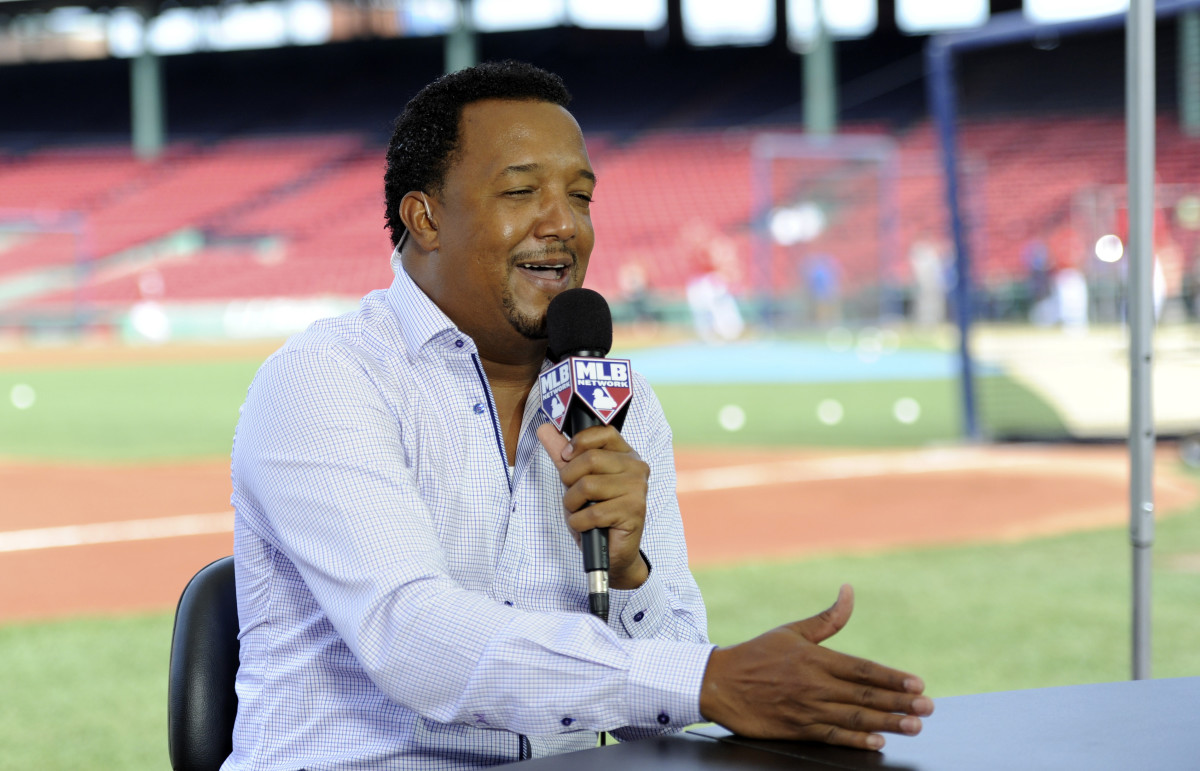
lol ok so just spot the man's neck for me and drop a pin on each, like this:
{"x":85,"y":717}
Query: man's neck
{"x":510,"y":382}
{"x":509,"y":374}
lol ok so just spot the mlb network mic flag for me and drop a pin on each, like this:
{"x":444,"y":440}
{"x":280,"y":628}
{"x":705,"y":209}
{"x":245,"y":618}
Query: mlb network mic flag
{"x":603,"y":386}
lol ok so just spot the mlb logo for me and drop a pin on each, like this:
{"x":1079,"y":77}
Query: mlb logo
{"x":556,"y":392}
{"x":604,"y":385}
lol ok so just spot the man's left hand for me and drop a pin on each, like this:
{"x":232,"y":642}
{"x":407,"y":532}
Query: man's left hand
{"x":598,"y":466}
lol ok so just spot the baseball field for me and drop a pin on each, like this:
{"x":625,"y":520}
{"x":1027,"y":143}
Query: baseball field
{"x":989,"y":567}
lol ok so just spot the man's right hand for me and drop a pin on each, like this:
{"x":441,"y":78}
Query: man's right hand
{"x":784,"y":685}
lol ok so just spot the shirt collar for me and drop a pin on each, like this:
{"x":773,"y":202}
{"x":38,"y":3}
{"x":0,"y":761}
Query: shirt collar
{"x":421,"y":320}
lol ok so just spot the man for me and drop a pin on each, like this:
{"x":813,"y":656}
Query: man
{"x":410,"y":591}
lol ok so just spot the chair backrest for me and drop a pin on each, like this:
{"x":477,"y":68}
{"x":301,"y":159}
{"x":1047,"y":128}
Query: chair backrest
{"x":201,"y":701}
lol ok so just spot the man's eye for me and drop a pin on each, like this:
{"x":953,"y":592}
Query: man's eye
{"x":586,"y":198}
{"x":518,"y":193}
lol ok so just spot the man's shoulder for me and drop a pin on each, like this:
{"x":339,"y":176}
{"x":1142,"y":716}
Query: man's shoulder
{"x":370,"y":333}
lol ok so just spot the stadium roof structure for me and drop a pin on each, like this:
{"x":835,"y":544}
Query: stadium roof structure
{"x":150,"y":7}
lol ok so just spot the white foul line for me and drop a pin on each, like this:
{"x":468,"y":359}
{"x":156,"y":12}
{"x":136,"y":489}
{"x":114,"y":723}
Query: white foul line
{"x":700,"y":480}
{"x":849,"y":467}
{"x":116,"y":532}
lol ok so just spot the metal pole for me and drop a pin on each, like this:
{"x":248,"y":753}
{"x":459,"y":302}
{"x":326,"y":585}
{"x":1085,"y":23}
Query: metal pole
{"x":762,"y":170}
{"x":1189,"y":72}
{"x":820,"y":79}
{"x":1139,"y":120}
{"x":147,"y":102}
{"x":939,"y":66}
{"x":462,"y":45}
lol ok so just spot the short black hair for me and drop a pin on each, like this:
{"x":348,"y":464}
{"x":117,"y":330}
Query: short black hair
{"x":426,"y":133}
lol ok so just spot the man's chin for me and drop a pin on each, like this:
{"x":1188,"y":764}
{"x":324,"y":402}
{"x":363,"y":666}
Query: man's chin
{"x":528,"y":327}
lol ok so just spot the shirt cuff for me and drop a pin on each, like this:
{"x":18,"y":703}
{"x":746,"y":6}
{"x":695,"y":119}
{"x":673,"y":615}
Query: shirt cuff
{"x":639,"y":613}
{"x":663,"y":689}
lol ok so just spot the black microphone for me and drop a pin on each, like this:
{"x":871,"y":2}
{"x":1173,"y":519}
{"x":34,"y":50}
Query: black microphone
{"x":579,"y":328}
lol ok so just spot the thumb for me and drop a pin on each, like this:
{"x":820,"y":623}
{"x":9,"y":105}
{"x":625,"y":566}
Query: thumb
{"x":816,"y":629}
{"x":553,"y":442}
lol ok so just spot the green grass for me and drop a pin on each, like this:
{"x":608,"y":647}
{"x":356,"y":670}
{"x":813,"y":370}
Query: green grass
{"x":971,"y":619}
{"x":180,"y":410}
{"x":85,"y":694}
{"x":91,"y":693}
{"x":1008,"y":409}
{"x":166,"y":411}
{"x":786,"y":413}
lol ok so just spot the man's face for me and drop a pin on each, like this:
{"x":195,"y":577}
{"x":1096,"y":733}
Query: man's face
{"x":514,"y":228}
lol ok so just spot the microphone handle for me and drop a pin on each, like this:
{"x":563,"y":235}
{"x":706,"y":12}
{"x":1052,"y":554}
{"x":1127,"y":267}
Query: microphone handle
{"x":594,"y":541}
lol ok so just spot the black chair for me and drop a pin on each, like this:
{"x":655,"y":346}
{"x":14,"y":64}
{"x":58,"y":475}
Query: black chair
{"x":201,"y":701}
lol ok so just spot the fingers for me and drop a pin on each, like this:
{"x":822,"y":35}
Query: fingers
{"x":852,"y":714}
{"x":609,"y":493}
{"x":783,"y":685}
{"x":554,"y":443}
{"x":850,"y":726}
{"x":873,"y":709}
{"x":841,"y":737}
{"x":607,"y":485}
{"x":868,"y":673}
{"x":838,"y":733}
{"x":562,"y":450}
{"x":596,"y":465}
{"x":827,"y":623}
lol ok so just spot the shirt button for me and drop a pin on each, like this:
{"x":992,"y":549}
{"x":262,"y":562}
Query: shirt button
{"x":664,"y":718}
{"x":567,"y":721}
{"x":508,"y":603}
{"x":639,"y":616}
{"x":458,"y":343}
{"x":479,"y":408}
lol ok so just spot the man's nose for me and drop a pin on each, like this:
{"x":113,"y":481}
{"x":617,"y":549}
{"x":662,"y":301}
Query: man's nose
{"x":558,"y":219}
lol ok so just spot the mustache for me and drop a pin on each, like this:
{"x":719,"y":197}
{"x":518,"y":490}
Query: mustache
{"x":546,"y":251}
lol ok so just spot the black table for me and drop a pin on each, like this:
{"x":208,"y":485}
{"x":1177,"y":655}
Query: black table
{"x":1146,"y":725}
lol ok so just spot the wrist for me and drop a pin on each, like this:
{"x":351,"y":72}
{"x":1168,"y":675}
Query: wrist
{"x":710,"y":690}
{"x":631,"y":577}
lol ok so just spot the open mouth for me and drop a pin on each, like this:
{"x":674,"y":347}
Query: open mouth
{"x":550,"y":271}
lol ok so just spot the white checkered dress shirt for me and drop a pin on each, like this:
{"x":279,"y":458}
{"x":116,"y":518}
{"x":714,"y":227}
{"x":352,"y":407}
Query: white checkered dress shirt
{"x":409,"y":602}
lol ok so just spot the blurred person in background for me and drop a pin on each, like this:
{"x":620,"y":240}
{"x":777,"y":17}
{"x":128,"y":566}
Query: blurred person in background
{"x":715,"y":270}
{"x":928,"y":266}
{"x":822,"y":279}
{"x":1191,"y":287}
{"x":410,"y":589}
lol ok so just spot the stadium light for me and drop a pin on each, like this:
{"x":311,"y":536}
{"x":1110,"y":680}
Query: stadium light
{"x":843,"y":20}
{"x":1067,"y":10}
{"x":618,"y":14}
{"x":507,"y":15}
{"x":917,"y":17}
{"x":1109,"y":248}
{"x":790,"y":225}
{"x":745,"y":23}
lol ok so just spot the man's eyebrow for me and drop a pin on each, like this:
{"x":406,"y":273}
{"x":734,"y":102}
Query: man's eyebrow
{"x":527,"y":168}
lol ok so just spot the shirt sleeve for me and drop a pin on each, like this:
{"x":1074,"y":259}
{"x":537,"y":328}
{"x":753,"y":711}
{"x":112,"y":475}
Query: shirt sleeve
{"x":668,"y":605}
{"x":319,"y":460}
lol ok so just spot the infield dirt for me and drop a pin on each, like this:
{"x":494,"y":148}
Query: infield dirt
{"x":737,"y":506}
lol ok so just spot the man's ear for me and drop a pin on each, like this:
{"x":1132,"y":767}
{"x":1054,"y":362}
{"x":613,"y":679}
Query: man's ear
{"x":417,"y":215}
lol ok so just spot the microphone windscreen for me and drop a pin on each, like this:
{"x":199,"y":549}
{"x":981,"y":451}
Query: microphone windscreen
{"x":578,"y":320}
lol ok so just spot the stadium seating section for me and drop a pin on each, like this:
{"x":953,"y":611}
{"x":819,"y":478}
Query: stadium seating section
{"x":302,"y":217}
